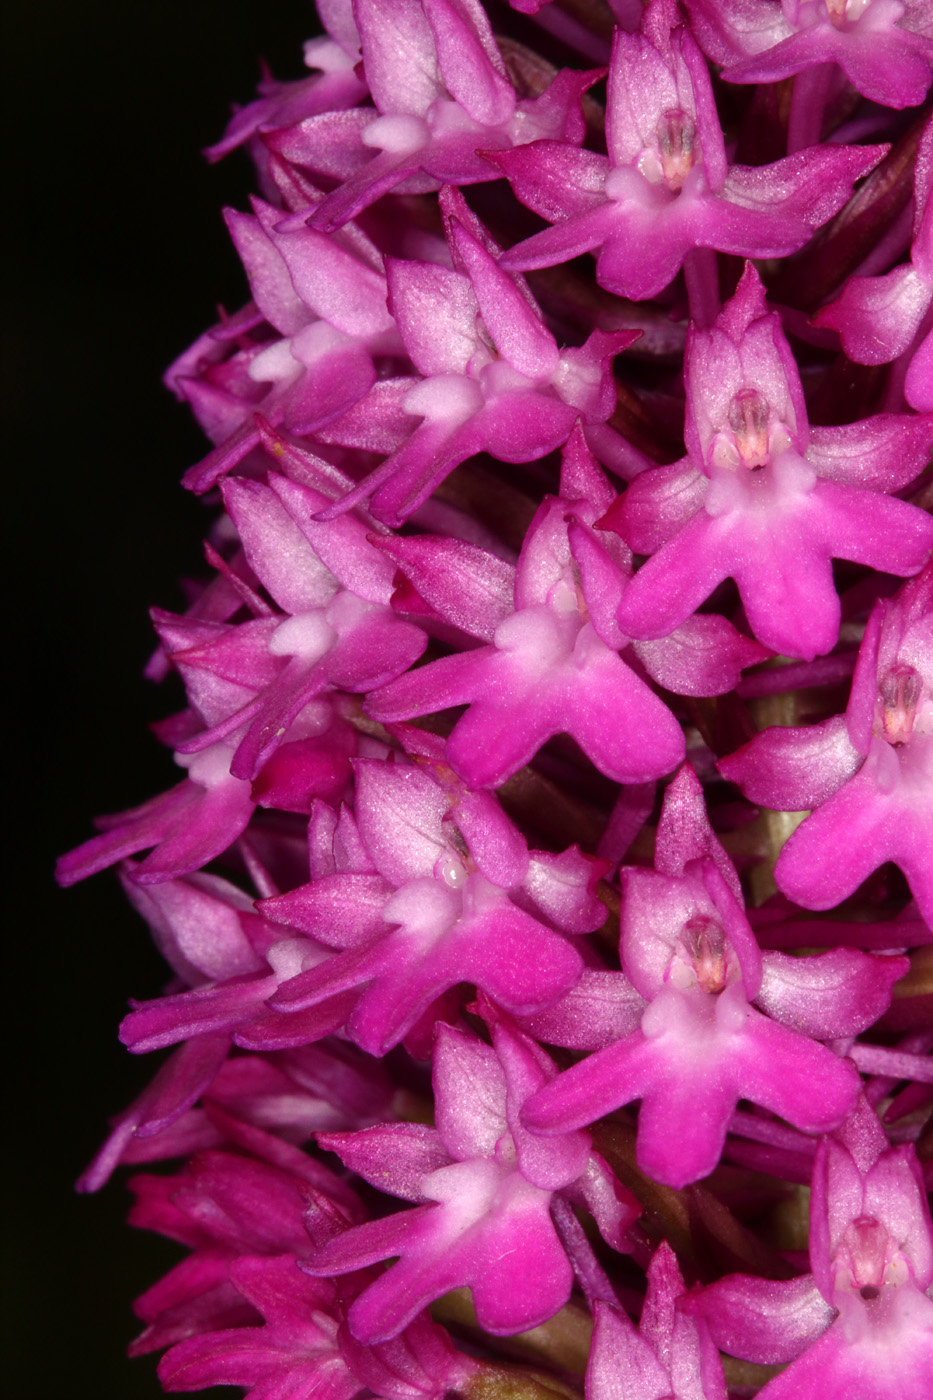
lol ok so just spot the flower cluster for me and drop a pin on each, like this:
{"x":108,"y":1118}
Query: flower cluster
{"x":548,"y":895}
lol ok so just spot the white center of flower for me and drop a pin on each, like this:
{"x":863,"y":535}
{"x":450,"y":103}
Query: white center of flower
{"x":308,"y":635}
{"x":400,"y":134}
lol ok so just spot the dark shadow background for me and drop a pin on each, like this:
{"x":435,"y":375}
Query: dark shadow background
{"x":116,"y":261}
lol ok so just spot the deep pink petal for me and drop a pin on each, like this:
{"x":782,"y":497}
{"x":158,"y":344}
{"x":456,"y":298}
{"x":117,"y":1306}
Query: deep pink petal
{"x":880,"y":531}
{"x":705,"y":655}
{"x":469,"y":59}
{"x":470,"y":587}
{"x":882,"y":818}
{"x":878,"y":317}
{"x":563,"y":241}
{"x":557,"y":181}
{"x":603,"y":1008}
{"x":657,"y":505}
{"x":598,"y":1085}
{"x":918,"y":386}
{"x":881,"y":453}
{"x":837,"y":993}
{"x":622,"y":1365}
{"x":794,"y":768}
{"x":793,"y":1076}
{"x":676,"y":580}
{"x":761,"y":1319}
{"x":391,"y":1156}
{"x":683,"y":1119}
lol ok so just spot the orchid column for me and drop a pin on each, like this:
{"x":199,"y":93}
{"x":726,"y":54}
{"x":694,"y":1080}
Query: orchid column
{"x":552,"y":852}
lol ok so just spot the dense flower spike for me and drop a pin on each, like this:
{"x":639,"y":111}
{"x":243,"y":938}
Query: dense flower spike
{"x":516,"y":717}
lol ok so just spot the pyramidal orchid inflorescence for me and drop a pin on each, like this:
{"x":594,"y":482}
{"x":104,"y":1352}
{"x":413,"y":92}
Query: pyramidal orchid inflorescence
{"x":547,"y":891}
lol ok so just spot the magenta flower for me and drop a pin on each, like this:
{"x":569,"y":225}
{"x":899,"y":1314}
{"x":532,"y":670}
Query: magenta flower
{"x":689,"y":952}
{"x":300,"y":1347}
{"x":491,"y":375}
{"x":294,"y":1092}
{"x":325,"y":299}
{"x":224,"y":1205}
{"x":868,"y":772}
{"x":441,"y":92}
{"x":330,"y":637}
{"x":430,"y":886}
{"x":862,"y":1322}
{"x":764,"y":498}
{"x":485,"y":1185}
{"x":238,"y":1005}
{"x":551,"y":664}
{"x":250,"y":1225}
{"x":256,"y":685}
{"x":885,"y":50}
{"x":666,"y":187}
{"x":186,"y":827}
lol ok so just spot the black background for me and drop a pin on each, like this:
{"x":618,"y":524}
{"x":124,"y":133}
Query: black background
{"x":116,"y":259}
